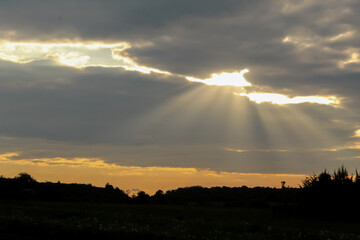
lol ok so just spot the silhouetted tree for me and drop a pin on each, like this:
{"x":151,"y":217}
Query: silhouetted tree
{"x":25,"y":177}
{"x":310,"y":181}
{"x":341,"y":177}
{"x":332,"y":195}
{"x":159,"y":197}
{"x":24,"y":180}
{"x":142,"y":197}
{"x":108,"y":186}
{"x":324,"y":178}
{"x":357,"y":178}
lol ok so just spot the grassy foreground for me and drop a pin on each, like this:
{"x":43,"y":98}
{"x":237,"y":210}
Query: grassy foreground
{"x":55,"y":220}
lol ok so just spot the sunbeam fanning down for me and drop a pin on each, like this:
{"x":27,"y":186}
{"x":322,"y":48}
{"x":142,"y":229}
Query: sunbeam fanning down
{"x":235,"y":79}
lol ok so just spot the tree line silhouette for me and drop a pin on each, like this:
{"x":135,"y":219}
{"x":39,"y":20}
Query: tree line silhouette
{"x":327,"y":196}
{"x":333,"y":195}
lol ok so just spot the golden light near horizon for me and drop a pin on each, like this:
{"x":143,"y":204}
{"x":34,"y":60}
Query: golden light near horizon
{"x":74,"y":54}
{"x":235,"y":79}
{"x":150,"y":179}
{"x":281,"y":99}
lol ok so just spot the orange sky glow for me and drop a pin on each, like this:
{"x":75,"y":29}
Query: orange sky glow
{"x":149,"y":179}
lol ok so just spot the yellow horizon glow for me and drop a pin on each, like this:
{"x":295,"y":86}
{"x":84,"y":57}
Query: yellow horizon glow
{"x":150,"y":179}
{"x":281,"y":99}
{"x":235,"y":79}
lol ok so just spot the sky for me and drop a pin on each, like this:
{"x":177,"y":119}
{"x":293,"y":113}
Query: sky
{"x":164,"y":94}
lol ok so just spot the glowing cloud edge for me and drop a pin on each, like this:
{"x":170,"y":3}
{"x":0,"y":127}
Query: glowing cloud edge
{"x":20,"y":52}
{"x":281,"y":99}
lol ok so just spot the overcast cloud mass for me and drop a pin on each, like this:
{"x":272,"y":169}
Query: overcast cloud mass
{"x":141,"y":96}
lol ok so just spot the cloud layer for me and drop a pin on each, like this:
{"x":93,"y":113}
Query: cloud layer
{"x":132,"y":91}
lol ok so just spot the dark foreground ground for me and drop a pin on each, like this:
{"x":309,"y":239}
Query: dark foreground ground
{"x":54,"y":220}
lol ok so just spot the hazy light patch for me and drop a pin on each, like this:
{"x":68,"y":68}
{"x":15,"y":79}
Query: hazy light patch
{"x":301,"y":43}
{"x":290,"y":7}
{"x":78,"y":55}
{"x":325,"y":45}
{"x":354,"y":146}
{"x":236,"y":150}
{"x":280,"y":99}
{"x":342,"y":36}
{"x":329,"y":149}
{"x":257,"y":150}
{"x":349,"y":146}
{"x":354,"y":57}
{"x":235,"y":79}
{"x":357,"y":133}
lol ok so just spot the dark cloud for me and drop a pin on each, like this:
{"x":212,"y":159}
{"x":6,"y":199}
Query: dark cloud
{"x":101,"y":20}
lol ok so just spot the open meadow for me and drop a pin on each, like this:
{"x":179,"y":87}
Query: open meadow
{"x":59,"y":220}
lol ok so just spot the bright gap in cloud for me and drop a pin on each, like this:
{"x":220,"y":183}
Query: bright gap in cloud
{"x":280,"y":99}
{"x":77,"y":55}
{"x":235,"y":79}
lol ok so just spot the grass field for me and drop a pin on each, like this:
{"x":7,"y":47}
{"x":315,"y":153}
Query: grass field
{"x":40,"y":220}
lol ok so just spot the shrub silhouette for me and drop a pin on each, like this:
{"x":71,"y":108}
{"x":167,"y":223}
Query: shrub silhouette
{"x":357,"y":178}
{"x":25,"y":181}
{"x":142,"y":197}
{"x":108,"y":186}
{"x":342,"y":178}
{"x":332,"y":195}
{"x":159,"y":197}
